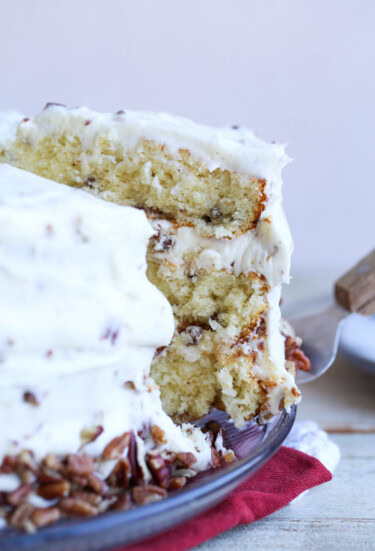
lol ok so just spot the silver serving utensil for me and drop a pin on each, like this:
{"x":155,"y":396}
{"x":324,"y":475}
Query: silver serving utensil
{"x":354,"y":292}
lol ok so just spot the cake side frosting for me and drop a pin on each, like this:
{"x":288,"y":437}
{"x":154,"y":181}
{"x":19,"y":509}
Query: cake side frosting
{"x":79,"y":323}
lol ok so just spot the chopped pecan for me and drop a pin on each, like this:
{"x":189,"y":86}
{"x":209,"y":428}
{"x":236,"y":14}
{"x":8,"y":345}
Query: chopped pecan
{"x":41,"y":517}
{"x":80,"y":465}
{"x":162,"y":241}
{"x":120,"y":474}
{"x":192,"y":335}
{"x":17,"y":496}
{"x":116,"y":447}
{"x":53,"y":490}
{"x":143,"y":495}
{"x":158,"y":435}
{"x":159,"y":469}
{"x":73,"y":506}
{"x":186,"y":459}
{"x":30,"y":398}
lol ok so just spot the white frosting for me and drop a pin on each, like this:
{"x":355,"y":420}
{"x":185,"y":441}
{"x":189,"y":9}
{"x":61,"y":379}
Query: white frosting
{"x":79,"y":318}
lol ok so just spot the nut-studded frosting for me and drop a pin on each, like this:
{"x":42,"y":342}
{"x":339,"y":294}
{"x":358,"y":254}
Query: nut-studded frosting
{"x":79,"y":322}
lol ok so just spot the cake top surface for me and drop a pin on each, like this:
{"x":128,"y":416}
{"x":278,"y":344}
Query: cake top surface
{"x":233,"y":148}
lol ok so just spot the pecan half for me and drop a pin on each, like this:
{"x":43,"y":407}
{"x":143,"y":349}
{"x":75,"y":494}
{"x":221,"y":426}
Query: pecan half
{"x":80,"y":465}
{"x":119,"y":477}
{"x":54,"y":490}
{"x":96,"y":484}
{"x":41,"y":517}
{"x":73,"y":506}
{"x":116,"y":447}
{"x":159,"y":469}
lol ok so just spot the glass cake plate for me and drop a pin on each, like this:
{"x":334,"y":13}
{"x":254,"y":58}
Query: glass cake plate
{"x":253,"y":445}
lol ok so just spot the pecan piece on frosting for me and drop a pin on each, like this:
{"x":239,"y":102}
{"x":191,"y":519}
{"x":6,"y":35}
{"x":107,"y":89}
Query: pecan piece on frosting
{"x":143,"y":495}
{"x":119,"y":477}
{"x":116,"y":447}
{"x":91,"y":434}
{"x":159,"y":469}
{"x":54,"y":490}
{"x":80,"y":465}
{"x":30,"y":398}
{"x":186,"y":459}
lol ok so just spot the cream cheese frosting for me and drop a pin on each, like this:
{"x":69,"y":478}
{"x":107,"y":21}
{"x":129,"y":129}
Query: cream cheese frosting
{"x":79,"y":322}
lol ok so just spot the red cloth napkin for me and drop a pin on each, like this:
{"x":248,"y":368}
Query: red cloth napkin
{"x":286,"y":475}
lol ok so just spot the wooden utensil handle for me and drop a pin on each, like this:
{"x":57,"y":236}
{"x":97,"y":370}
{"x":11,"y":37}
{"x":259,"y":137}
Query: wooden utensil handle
{"x":356,"y":289}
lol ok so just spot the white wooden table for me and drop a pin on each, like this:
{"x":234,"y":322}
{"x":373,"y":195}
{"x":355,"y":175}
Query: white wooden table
{"x":340,"y":514}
